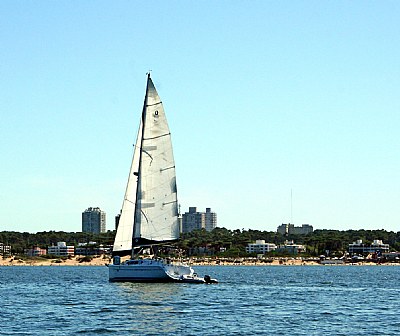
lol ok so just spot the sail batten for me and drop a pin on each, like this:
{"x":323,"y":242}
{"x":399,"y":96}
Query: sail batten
{"x":149,"y":105}
{"x":159,"y":136}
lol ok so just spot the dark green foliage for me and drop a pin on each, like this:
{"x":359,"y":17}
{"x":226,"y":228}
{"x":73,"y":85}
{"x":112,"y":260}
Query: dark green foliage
{"x":85,"y":259}
{"x":20,"y":241}
{"x":219,"y":242}
{"x":232,"y":243}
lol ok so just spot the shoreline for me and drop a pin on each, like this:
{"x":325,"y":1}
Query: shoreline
{"x":100,"y":261}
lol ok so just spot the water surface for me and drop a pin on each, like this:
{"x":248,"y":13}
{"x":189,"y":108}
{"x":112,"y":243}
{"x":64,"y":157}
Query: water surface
{"x":249,"y":300}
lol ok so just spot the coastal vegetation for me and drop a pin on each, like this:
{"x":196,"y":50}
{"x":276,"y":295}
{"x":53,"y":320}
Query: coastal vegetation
{"x":221,"y":241}
{"x":231,"y":243}
{"x":19,"y":241}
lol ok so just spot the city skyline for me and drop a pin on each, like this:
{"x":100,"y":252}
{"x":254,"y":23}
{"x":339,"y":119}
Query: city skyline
{"x":279,"y":111}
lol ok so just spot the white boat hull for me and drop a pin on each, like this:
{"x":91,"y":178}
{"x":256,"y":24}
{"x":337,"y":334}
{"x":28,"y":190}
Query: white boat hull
{"x":148,"y":270}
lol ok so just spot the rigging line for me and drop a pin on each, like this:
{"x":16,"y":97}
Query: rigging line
{"x":162,"y":169}
{"x":129,"y":201}
{"x":158,"y":136}
{"x":291,"y":206}
{"x":148,"y":155}
{"x":154,"y":104}
{"x":144,"y":215}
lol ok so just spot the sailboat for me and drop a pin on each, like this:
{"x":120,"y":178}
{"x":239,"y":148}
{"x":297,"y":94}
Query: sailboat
{"x":149,"y":215}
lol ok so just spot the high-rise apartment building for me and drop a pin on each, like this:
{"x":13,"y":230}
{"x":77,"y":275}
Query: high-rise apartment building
{"x":210,"y":220}
{"x":117,"y":218}
{"x":93,"y":220}
{"x":194,"y":220}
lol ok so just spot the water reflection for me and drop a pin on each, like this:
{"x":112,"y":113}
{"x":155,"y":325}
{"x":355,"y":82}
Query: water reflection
{"x":150,"y":307}
{"x":148,"y":291}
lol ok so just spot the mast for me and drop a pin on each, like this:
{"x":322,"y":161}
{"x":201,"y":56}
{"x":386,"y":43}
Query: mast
{"x":138,"y":189}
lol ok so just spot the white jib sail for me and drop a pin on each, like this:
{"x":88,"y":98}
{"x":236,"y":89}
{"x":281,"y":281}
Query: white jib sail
{"x":157,"y":208}
{"x":123,"y":237}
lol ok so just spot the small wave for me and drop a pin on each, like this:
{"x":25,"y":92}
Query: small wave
{"x":102,"y":310}
{"x":97,"y":331}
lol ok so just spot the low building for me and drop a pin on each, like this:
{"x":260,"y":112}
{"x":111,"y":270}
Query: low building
{"x":287,"y":229}
{"x":291,"y":247}
{"x":392,"y":256}
{"x":61,"y":250}
{"x":5,"y":250}
{"x":359,"y":248}
{"x":36,"y":251}
{"x":92,"y":248}
{"x":260,"y":247}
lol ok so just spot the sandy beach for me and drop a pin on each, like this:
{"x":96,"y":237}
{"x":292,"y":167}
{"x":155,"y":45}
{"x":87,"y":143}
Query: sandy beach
{"x":101,"y":261}
{"x":74,"y":261}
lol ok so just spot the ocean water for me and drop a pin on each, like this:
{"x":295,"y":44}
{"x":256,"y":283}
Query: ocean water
{"x":270,"y":300}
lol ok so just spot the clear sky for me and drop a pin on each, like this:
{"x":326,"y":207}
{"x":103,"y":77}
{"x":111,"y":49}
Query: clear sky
{"x":265,"y":99}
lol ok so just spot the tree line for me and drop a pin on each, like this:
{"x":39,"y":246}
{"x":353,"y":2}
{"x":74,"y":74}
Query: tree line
{"x":234,"y":242}
{"x":19,"y":241}
{"x":220,"y":241}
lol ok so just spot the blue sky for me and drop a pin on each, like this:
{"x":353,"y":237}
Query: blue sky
{"x":264,"y":98}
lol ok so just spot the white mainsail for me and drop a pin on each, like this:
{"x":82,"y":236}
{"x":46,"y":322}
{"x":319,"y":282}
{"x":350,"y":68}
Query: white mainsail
{"x":150,"y":209}
{"x":156,"y":208}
